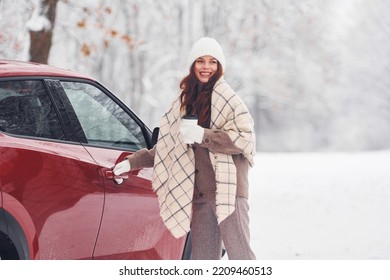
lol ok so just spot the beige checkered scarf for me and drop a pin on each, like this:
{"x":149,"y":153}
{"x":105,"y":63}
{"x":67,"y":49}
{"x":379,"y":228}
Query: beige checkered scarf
{"x":174,"y":163}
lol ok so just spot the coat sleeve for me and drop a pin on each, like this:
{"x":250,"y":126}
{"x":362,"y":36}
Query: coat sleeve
{"x":142,"y":158}
{"x":218,"y":141}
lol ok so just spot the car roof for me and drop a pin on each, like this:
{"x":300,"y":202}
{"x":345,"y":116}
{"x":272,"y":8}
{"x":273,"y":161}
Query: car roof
{"x":15,"y":68}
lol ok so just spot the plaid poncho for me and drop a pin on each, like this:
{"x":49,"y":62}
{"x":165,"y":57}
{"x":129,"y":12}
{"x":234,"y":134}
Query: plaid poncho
{"x":174,"y":163}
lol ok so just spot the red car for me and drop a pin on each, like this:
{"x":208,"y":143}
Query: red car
{"x":61,"y":133}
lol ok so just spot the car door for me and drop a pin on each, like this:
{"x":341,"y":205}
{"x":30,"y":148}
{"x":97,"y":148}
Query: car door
{"x":131,"y":226}
{"x":50,"y":184}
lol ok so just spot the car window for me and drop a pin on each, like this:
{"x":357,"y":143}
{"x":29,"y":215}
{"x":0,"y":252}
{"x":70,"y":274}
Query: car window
{"x":104,"y":122}
{"x":26,"y":109}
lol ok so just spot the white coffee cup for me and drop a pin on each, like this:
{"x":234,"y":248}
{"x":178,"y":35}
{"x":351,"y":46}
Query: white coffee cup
{"x":190,"y":120}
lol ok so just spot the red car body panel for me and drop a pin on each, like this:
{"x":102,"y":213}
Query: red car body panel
{"x":59,"y":189}
{"x":145,"y":238}
{"x":11,"y":68}
{"x":67,"y":208}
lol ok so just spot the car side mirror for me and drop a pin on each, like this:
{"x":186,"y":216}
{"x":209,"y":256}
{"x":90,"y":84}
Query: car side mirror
{"x":155,"y":133}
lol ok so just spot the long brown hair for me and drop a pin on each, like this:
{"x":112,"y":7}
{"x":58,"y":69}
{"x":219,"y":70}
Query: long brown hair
{"x":196,"y":97}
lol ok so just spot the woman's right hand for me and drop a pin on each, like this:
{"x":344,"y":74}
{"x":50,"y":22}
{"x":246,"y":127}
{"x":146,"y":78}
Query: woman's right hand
{"x":122,"y":167}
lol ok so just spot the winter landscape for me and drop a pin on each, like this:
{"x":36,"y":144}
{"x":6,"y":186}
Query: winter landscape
{"x":313,"y":73}
{"x":321,"y":206}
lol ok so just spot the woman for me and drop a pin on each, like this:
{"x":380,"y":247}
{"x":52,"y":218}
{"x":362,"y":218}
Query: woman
{"x":201,"y":170}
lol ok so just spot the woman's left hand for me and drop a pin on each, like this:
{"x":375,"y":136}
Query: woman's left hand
{"x":192,"y":133}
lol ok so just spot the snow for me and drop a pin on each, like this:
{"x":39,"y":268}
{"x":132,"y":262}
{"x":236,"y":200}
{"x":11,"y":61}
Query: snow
{"x":38,"y":22}
{"x":320,"y":206}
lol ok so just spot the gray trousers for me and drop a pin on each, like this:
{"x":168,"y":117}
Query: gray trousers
{"x":207,"y":235}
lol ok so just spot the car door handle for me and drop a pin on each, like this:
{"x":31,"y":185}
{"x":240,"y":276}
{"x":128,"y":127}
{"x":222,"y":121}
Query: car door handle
{"x":117,"y":178}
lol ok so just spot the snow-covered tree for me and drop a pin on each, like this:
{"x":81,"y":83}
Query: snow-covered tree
{"x":40,"y":26}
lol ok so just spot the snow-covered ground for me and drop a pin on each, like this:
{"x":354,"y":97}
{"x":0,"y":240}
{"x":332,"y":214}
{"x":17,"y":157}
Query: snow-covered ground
{"x":320,"y":206}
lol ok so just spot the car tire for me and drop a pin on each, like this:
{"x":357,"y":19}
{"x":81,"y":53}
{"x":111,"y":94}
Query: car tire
{"x":7,"y":248}
{"x":13,"y":242}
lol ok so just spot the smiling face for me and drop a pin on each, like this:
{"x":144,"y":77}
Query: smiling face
{"x":205,"y":67}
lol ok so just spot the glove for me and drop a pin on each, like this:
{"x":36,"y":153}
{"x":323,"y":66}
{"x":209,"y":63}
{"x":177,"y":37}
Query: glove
{"x":122,"y":167}
{"x":192,"y":133}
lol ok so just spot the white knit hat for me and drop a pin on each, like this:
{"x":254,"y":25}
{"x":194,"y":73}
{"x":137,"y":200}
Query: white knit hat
{"x":206,"y":46}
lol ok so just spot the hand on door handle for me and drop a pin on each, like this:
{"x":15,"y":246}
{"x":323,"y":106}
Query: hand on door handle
{"x":122,"y":167}
{"x":117,"y":178}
